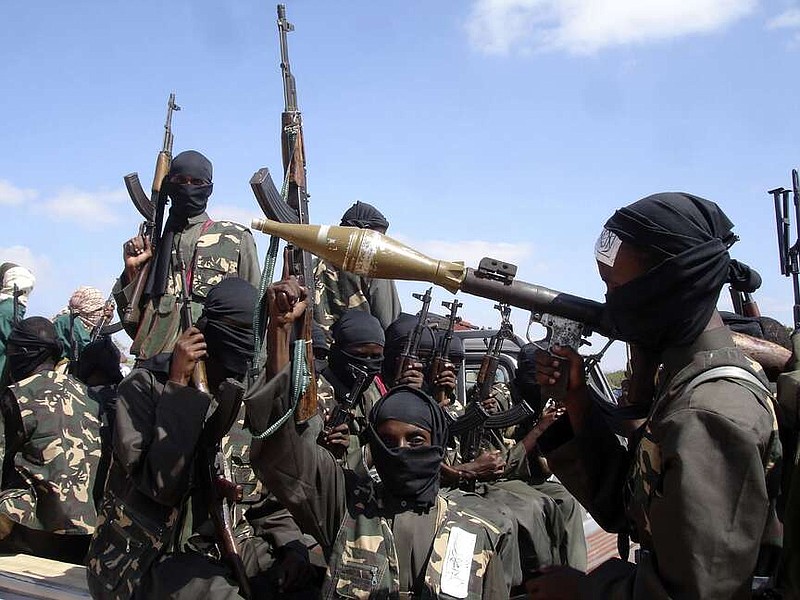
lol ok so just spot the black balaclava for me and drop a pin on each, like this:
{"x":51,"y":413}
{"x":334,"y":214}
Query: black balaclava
{"x":354,"y":327}
{"x":671,"y":304}
{"x":227,"y":324}
{"x":31,"y":342}
{"x":409,"y":475}
{"x":100,"y":355}
{"x":188,"y":200}
{"x":457,"y":353}
{"x":396,"y":335}
{"x":365,"y":216}
{"x":320,"y":347}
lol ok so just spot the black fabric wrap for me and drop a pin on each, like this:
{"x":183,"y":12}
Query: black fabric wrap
{"x":355,"y":327}
{"x":227,"y":323}
{"x":457,"y":353}
{"x":31,"y":342}
{"x":100,"y":355}
{"x":365,"y":216}
{"x":409,"y":474}
{"x":188,"y":200}
{"x":319,"y":341}
{"x":396,"y":335}
{"x":671,"y":304}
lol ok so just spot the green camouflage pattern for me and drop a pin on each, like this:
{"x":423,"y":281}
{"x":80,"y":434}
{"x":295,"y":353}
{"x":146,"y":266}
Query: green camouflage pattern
{"x":336,"y":291}
{"x":645,"y":477}
{"x":216,"y":256}
{"x":363,"y":562}
{"x":58,"y":458}
{"x":123,"y":547}
{"x":236,"y":450}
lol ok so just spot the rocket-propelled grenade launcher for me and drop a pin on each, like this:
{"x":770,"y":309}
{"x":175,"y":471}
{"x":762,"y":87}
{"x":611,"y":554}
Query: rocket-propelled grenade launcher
{"x":371,"y":254}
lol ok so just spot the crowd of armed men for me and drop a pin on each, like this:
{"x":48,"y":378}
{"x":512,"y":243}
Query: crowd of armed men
{"x":169,"y":485}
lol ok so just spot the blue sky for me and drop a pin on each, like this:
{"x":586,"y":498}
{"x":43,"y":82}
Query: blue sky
{"x":510,"y":128}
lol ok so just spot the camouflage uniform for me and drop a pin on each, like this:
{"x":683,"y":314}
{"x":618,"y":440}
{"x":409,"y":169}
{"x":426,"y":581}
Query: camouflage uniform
{"x":693,"y":490}
{"x":51,"y":456}
{"x":338,"y":290}
{"x":364,"y":545}
{"x":212,"y":251}
{"x":147,"y":542}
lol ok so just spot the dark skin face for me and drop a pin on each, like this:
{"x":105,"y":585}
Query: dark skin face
{"x":399,"y":434}
{"x":629,"y":264}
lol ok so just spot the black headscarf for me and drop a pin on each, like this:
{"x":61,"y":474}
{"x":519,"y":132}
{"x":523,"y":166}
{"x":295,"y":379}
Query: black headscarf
{"x":671,"y":304}
{"x":365,"y":216}
{"x":397,"y":335}
{"x":525,"y":376}
{"x":410,"y":475}
{"x":31,"y":342}
{"x":100,"y":355}
{"x":354,"y":327}
{"x":227,"y":323}
{"x":188,"y":200}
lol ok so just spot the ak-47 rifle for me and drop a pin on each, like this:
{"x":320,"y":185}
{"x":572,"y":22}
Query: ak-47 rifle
{"x":103,"y":325}
{"x":150,"y":208}
{"x":410,"y":353}
{"x":789,"y":255}
{"x":343,"y":410}
{"x":441,"y":355}
{"x":472,"y":424}
{"x":15,"y":314}
{"x":292,"y":209}
{"x":221,"y":492}
{"x":199,"y":376}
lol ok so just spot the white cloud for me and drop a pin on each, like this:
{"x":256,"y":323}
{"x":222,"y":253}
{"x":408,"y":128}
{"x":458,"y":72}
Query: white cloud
{"x":10,"y":194}
{"x":786,"y":20}
{"x":235,"y":213}
{"x":39,"y":264}
{"x":586,"y":26}
{"x":90,"y":209}
{"x":470,"y":251}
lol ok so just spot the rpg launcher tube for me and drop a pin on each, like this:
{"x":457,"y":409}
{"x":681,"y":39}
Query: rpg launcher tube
{"x":372,"y":254}
{"x":366,"y":252}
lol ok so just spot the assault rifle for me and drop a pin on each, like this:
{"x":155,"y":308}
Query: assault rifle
{"x":221,"y":492}
{"x":441,"y":355}
{"x":410,"y":353}
{"x":103,"y":325}
{"x":292,"y":209}
{"x":15,"y":306}
{"x":343,"y":410}
{"x":789,"y":255}
{"x":472,"y":424}
{"x":199,"y":376}
{"x":152,"y":208}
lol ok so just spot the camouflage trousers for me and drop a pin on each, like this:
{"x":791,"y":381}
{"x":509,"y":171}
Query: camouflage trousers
{"x":191,"y":576}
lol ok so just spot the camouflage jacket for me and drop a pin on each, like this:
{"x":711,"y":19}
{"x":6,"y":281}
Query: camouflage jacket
{"x":218,"y":249}
{"x":343,"y":512}
{"x":694,"y":488}
{"x":52,"y":451}
{"x":149,"y":488}
{"x":338,"y":290}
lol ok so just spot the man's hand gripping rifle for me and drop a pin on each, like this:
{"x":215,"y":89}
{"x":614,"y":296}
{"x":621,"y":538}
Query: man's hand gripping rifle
{"x":291,"y":206}
{"x":152,"y":209}
{"x":441,"y":357}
